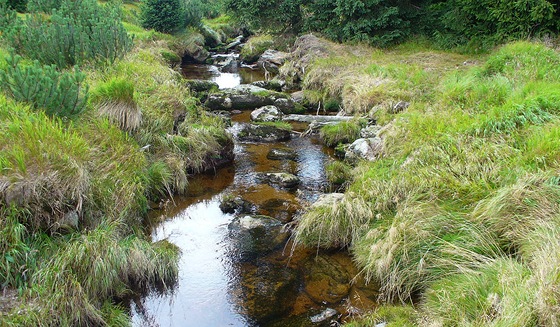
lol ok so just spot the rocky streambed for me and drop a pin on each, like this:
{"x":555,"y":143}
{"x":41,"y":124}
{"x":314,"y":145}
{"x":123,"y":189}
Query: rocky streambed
{"x":238,"y":267}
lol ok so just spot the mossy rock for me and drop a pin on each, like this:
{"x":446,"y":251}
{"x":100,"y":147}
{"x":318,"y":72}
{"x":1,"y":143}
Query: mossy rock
{"x":262,"y":133}
{"x":256,"y":235}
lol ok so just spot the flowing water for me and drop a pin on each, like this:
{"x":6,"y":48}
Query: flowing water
{"x":214,"y":287}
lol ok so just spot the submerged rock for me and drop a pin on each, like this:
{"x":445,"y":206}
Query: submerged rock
{"x":280,"y":209}
{"x":326,"y":280}
{"x":255,"y":235}
{"x":368,"y":149}
{"x":262,"y":133}
{"x":266,"y":114}
{"x":268,"y":291}
{"x":285,"y":180}
{"x":281,"y":154}
{"x":237,"y":205}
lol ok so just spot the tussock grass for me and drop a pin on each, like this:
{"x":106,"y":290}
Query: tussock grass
{"x":336,"y":225}
{"x":343,"y":132}
{"x":419,"y":245}
{"x":339,"y":173}
{"x":90,"y":268}
{"x":463,"y":203}
{"x":515,"y":211}
{"x":43,"y":167}
{"x":498,"y":293}
{"x":540,"y":248}
{"x":392,"y":315}
{"x":115,"y":99}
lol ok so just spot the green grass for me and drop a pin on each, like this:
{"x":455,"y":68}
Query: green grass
{"x":392,"y":315}
{"x":459,"y":214}
{"x":115,"y":100}
{"x":341,"y":133}
{"x":255,"y":46}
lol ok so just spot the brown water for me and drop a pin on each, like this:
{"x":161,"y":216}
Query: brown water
{"x":215,"y":288}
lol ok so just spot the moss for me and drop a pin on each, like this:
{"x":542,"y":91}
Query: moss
{"x":341,"y":133}
{"x":255,"y":47}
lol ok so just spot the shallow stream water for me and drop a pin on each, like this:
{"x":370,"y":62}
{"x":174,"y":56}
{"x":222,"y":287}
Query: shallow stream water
{"x":214,"y":287}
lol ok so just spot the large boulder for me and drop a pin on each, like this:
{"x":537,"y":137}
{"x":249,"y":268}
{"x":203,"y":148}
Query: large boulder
{"x":266,"y":114}
{"x":256,"y":235}
{"x":271,"y":60}
{"x":242,"y":97}
{"x":262,"y":133}
{"x":285,"y":180}
{"x":367,"y":149}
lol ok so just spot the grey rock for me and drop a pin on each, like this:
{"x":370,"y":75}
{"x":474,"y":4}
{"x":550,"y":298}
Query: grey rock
{"x":316,"y":118}
{"x":327,"y":200}
{"x":199,"y":85}
{"x":367,"y":149}
{"x":244,"y":96}
{"x":370,"y":131}
{"x":275,"y":84}
{"x":281,"y":154}
{"x":255,"y":235}
{"x":298,"y":96}
{"x":262,"y":133}
{"x":236,"y":42}
{"x":271,"y":60}
{"x":327,"y":314}
{"x":400,"y":106}
{"x":266,"y":114}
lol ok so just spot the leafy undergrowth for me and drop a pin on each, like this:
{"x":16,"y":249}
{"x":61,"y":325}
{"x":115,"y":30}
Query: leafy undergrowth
{"x":460,"y":215}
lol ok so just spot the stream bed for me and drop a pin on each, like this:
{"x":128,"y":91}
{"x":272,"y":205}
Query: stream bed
{"x":220,"y":286}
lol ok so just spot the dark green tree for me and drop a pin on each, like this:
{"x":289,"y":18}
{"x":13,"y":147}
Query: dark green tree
{"x":164,"y":16}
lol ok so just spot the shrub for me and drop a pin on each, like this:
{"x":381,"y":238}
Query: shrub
{"x":44,"y":87}
{"x":163,"y":15}
{"x":78,"y":32}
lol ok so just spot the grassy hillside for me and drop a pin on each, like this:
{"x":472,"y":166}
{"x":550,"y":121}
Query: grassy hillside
{"x":459,"y":216}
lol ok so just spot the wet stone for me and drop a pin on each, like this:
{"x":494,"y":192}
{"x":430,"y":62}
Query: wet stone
{"x":268,"y":292}
{"x":326,"y":315}
{"x":262,"y":133}
{"x":236,"y":205}
{"x":279,"y":209}
{"x":255,"y":235}
{"x":266,"y":114}
{"x":284,"y":180}
{"x":326,"y":280}
{"x":281,"y":154}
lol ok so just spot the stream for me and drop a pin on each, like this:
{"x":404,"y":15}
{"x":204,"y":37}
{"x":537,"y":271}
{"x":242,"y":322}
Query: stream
{"x":216,"y":285}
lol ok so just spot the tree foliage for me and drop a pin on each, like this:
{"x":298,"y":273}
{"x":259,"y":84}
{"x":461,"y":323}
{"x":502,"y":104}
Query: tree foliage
{"x":78,"y":31}
{"x":58,"y":93}
{"x":383,"y":22}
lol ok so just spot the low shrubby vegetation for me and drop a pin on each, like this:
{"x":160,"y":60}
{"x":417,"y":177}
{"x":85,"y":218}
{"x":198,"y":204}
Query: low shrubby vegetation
{"x":457,"y":215}
{"x":93,"y":130}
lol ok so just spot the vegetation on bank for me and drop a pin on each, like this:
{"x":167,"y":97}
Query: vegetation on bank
{"x":458,"y":218}
{"x":471,"y":24}
{"x":94,"y":129}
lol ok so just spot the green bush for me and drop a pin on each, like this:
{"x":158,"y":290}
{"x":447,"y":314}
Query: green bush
{"x":78,"y":32}
{"x":44,"y":87}
{"x":163,"y":15}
